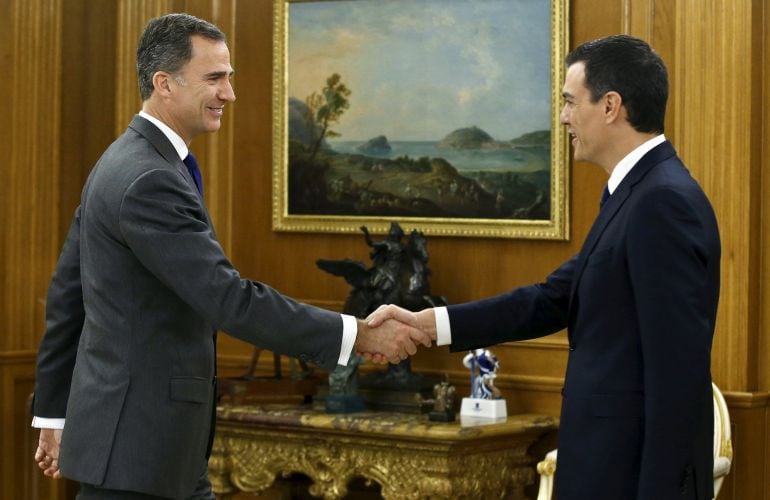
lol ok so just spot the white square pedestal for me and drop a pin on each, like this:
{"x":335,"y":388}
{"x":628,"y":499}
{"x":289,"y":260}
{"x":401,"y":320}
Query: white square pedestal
{"x":476,"y":411}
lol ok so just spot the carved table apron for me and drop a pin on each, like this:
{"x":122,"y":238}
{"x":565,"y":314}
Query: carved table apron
{"x":408,"y":455}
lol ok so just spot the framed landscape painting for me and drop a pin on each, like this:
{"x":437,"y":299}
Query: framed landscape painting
{"x":441,"y":115}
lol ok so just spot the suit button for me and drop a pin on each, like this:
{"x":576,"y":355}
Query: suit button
{"x":571,"y":346}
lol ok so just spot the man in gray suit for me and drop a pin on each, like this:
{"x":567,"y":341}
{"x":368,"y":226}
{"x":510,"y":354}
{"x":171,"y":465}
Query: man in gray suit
{"x":142,"y":285}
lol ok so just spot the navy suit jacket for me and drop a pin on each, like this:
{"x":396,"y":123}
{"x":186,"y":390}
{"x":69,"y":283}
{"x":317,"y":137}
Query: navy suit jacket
{"x":128,"y":356}
{"x":639,"y":302}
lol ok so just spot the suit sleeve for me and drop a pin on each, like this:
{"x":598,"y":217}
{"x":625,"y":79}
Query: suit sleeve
{"x":671,"y":258}
{"x":523,"y":313}
{"x":163,"y":222}
{"x":65,"y":314}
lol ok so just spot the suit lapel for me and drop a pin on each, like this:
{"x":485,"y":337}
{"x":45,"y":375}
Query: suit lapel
{"x":614,"y":203}
{"x":164,"y":147}
{"x":159,"y":141}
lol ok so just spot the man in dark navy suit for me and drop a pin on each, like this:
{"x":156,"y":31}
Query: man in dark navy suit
{"x":639,"y":301}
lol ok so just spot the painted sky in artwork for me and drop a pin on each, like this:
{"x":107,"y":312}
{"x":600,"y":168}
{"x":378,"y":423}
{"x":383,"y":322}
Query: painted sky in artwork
{"x":419,"y":69}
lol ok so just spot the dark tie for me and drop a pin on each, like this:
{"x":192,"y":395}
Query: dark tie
{"x":195,"y":172}
{"x":605,"y":196}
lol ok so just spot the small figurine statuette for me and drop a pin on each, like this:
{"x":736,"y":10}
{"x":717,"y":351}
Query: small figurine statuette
{"x":485,"y":403}
{"x":483,"y":382}
{"x":443,"y":403}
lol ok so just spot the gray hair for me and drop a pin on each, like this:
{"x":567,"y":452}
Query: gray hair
{"x":166,"y":45}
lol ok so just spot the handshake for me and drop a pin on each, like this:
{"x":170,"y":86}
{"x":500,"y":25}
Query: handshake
{"x":391,"y":334}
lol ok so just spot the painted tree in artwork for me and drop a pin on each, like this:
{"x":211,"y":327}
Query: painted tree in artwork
{"x":325,"y":108}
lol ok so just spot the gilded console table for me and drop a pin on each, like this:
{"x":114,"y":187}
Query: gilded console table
{"x":409,"y":456}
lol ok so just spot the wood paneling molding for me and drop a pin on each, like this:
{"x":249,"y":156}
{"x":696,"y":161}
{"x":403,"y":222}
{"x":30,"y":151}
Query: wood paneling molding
{"x":17,"y":357}
{"x":763,"y":347}
{"x":638,"y":18}
{"x":747,"y":400}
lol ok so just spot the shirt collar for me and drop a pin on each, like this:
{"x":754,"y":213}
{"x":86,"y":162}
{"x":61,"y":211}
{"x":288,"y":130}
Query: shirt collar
{"x":626,"y":164}
{"x":176,"y":141}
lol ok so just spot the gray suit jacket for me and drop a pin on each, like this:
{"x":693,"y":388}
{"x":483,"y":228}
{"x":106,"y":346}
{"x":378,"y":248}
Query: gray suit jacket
{"x":141,"y":286}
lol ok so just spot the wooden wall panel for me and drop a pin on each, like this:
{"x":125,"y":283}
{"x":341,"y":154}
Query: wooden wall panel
{"x":719,"y":119}
{"x":763,"y":344}
{"x":19,"y":477}
{"x":748,"y":476}
{"x":718,"y":92}
{"x":88,"y":97}
{"x":763,"y":347}
{"x":29,"y":139}
{"x":132,"y":16}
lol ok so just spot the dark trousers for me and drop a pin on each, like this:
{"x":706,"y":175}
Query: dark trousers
{"x":91,"y":492}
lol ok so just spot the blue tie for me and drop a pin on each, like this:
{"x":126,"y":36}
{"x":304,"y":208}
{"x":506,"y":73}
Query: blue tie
{"x":195,"y":172}
{"x":605,"y":197}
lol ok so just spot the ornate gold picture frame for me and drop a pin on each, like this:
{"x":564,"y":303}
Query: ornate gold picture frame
{"x":440,"y":115}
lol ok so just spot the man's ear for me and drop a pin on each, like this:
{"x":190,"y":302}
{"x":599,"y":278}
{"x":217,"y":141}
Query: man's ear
{"x":613,"y":103}
{"x":161,"y":81}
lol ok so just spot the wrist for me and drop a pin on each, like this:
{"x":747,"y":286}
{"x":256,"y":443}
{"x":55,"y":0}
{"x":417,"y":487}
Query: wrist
{"x":426,"y":320}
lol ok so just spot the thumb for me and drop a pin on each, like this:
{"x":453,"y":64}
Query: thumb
{"x":377,"y":317}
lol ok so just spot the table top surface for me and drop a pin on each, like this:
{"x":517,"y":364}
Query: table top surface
{"x":378,"y":422}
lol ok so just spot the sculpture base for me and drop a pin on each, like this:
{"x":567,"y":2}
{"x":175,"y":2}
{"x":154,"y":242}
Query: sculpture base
{"x":482,"y":411}
{"x":397,"y":389}
{"x":441,"y":416}
{"x":398,"y":401}
{"x":345,"y":403}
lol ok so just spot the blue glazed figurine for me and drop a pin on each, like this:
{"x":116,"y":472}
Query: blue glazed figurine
{"x":483,"y":365}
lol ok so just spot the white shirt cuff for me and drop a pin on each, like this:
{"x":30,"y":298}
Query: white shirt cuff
{"x":443,"y":330}
{"x":48,"y":423}
{"x":349,"y":331}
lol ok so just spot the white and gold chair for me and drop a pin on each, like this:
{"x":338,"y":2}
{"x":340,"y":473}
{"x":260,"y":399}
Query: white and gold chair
{"x":723,"y":445}
{"x":546,"y":468}
{"x":723,"y":451}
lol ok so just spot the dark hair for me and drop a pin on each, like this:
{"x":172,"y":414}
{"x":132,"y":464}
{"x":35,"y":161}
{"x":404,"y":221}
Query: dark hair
{"x":630,"y":67}
{"x":165,"y":45}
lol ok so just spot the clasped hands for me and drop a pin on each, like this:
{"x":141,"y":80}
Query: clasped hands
{"x":391,"y":334}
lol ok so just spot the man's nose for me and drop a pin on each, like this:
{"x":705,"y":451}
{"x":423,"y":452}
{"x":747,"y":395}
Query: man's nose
{"x":227,"y":93}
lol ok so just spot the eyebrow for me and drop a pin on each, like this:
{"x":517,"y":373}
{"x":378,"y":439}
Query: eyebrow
{"x":567,"y":95}
{"x":219,"y":74}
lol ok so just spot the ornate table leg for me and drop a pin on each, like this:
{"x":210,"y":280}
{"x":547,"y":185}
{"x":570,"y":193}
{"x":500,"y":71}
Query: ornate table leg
{"x":219,"y":471}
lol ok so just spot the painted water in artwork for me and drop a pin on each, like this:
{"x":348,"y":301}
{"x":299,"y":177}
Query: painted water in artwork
{"x":437,"y":108}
